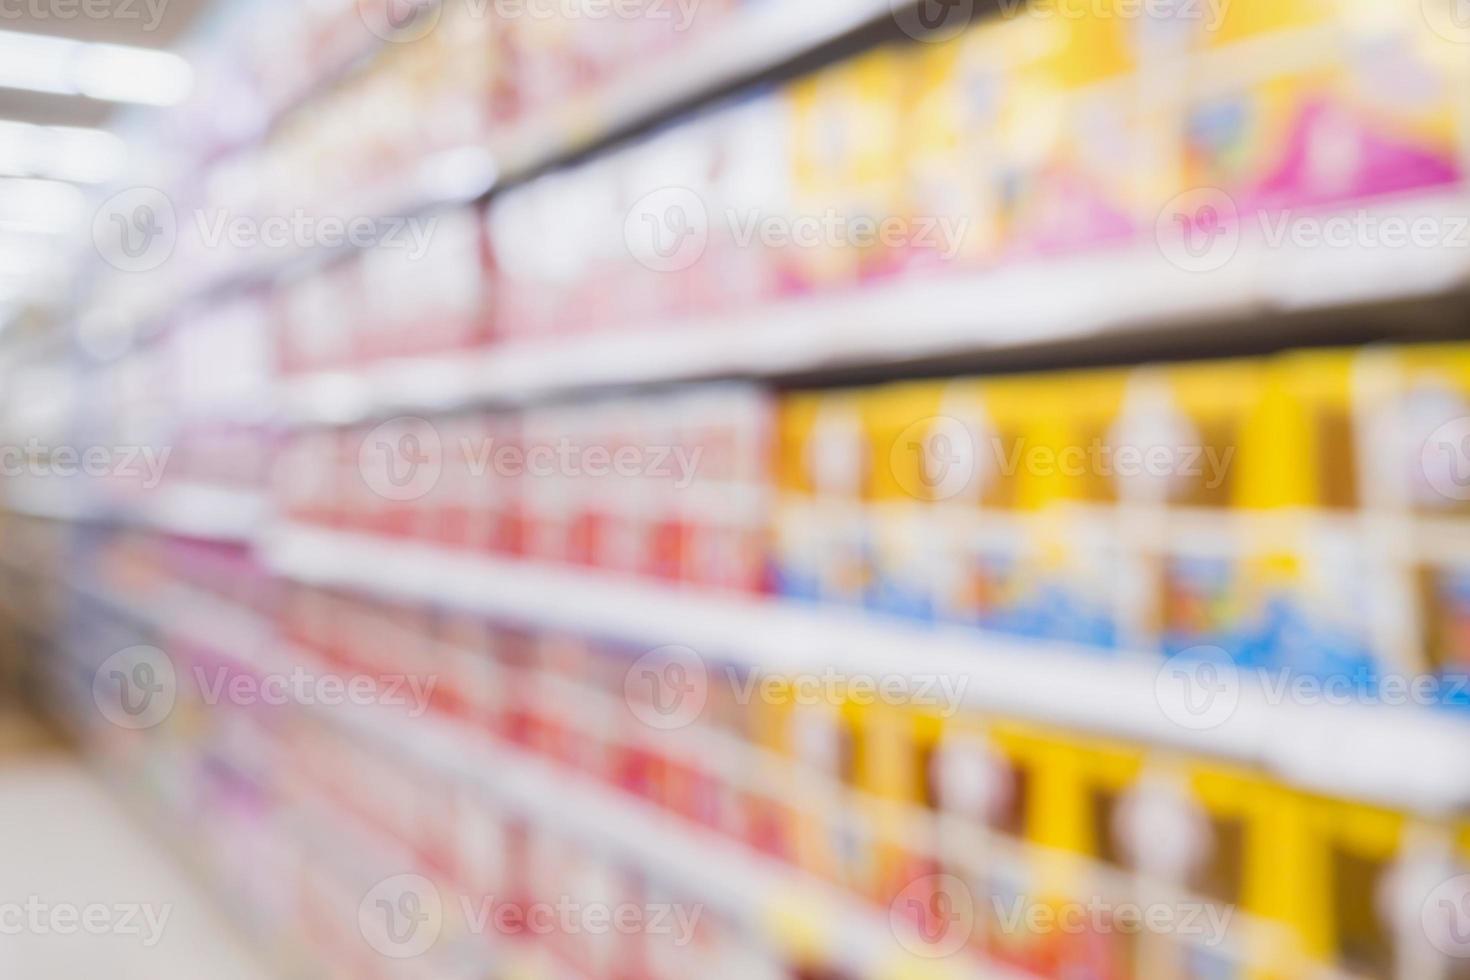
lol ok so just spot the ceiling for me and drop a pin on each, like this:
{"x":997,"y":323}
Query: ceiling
{"x":141,"y":23}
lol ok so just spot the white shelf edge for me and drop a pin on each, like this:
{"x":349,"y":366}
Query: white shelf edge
{"x":1353,"y":751}
{"x":1028,"y":304}
{"x":195,"y":510}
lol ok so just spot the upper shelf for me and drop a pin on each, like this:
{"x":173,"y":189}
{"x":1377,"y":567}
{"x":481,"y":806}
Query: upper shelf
{"x":1095,"y":296}
{"x":759,"y":40}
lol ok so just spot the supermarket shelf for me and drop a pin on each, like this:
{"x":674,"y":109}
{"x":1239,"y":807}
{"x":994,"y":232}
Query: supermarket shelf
{"x":741,"y":50}
{"x":1355,"y":751}
{"x":1029,"y":305}
{"x":790,"y":906}
{"x":198,"y":510}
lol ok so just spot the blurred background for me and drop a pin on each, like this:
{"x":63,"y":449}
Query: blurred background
{"x":651,"y":489}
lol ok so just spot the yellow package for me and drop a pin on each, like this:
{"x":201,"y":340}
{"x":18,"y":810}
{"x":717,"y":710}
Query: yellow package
{"x":970,"y":491}
{"x":1071,"y":156}
{"x":1078,"y":571}
{"x":1265,"y":558}
{"x":909,"y":470}
{"x":847,"y":167}
{"x":825,"y":473}
{"x":950,"y":134}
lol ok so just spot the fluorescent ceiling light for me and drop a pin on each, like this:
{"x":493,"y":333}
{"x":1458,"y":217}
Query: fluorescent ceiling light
{"x":106,"y":72}
{"x":82,"y":156}
{"x":113,"y":73}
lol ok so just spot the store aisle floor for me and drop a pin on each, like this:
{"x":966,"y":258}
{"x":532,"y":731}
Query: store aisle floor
{"x":70,"y":856}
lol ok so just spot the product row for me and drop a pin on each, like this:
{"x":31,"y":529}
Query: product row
{"x":1048,"y":131}
{"x":1303,"y":512}
{"x":972,"y":836}
{"x":349,"y":858}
